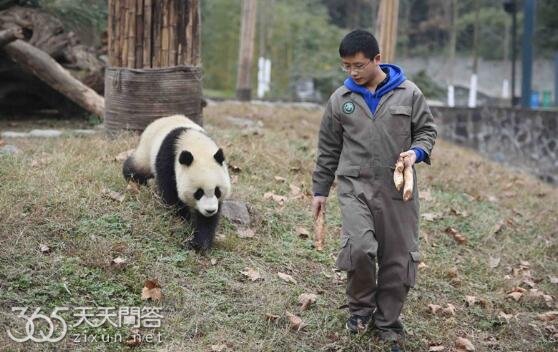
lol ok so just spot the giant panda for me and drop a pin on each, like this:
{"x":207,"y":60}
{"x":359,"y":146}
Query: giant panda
{"x":189,"y":170}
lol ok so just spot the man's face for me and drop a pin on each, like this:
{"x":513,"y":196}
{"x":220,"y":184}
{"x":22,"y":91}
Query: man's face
{"x":360,"y":68}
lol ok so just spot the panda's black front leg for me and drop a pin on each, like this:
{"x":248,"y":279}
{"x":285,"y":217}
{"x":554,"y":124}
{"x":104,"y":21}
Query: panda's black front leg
{"x":184,"y":212}
{"x":204,"y":232}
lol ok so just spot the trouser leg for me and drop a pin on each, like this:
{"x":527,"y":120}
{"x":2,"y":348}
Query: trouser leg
{"x":358,"y":254}
{"x":397,"y":234}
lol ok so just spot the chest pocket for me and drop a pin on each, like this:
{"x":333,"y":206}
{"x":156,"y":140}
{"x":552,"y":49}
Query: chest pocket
{"x":399,"y":120}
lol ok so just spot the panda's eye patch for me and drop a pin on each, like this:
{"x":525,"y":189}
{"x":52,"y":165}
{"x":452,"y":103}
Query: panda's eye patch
{"x":198,"y":194}
{"x":217,"y":192}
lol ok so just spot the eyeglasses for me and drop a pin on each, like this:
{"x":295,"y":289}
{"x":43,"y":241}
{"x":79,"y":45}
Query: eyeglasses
{"x":355,"y":68}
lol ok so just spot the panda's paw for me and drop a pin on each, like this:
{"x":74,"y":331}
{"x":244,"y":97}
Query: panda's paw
{"x":195,"y":246}
{"x":191,"y":245}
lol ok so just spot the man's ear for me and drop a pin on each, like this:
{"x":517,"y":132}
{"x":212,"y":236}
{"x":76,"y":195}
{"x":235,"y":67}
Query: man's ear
{"x":186,"y":158}
{"x":378,"y":59}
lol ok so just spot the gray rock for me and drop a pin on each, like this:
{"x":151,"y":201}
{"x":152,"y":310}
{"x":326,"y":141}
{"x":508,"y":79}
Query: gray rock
{"x":236,"y":212}
{"x":45,"y":133}
{"x":9,"y":149}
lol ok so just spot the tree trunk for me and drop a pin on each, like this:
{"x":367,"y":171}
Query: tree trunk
{"x":386,"y":29}
{"x":246,"y":50}
{"x":9,"y":35}
{"x":43,"y":66}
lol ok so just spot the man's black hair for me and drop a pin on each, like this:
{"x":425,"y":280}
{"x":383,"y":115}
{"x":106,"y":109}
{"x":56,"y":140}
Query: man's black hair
{"x":359,"y":41}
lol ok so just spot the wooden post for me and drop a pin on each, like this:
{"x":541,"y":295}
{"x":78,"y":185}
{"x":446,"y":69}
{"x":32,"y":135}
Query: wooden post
{"x":246,"y":50}
{"x":386,"y":28}
{"x":153,"y":33}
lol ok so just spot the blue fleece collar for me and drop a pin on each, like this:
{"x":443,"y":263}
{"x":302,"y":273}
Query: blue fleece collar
{"x":396,"y":77}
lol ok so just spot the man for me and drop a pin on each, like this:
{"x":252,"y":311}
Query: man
{"x":375,"y":118}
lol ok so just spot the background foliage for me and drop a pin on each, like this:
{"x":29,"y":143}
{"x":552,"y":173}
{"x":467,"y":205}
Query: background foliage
{"x":301,"y":37}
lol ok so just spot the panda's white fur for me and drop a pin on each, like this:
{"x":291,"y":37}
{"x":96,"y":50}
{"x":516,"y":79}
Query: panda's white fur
{"x":163,"y":145}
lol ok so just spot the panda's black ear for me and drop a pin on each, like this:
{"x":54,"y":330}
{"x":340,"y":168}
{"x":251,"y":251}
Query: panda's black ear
{"x":186,"y":158}
{"x":219,"y":156}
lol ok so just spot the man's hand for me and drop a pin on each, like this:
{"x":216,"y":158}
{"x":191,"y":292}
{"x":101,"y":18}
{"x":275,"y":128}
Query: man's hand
{"x":409,"y":158}
{"x":318,"y":204}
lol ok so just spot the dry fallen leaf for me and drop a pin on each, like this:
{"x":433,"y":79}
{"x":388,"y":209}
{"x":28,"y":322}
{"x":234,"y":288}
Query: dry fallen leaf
{"x":307,"y":299}
{"x":548,"y":316}
{"x":449,"y":310}
{"x":234,"y":168}
{"x":275,"y":197}
{"x":422,"y":265}
{"x":464,"y":344}
{"x":280,"y":179}
{"x":124,"y":155}
{"x":2,"y":142}
{"x":302,"y":232}
{"x":44,"y":248}
{"x":295,"y":191}
{"x":434,"y":308}
{"x":458,"y":237}
{"x":286,"y":277}
{"x":453,"y":272}
{"x":151,"y":290}
{"x":135,"y":339}
{"x":515,"y":295}
{"x":431,"y":216}
{"x":118,"y":262}
{"x":213,"y":261}
{"x":296,"y":322}
{"x":505,"y":316}
{"x":436,"y":348}
{"x":132,"y":187}
{"x":553,"y":279}
{"x":498,"y":227}
{"x":493,"y":262}
{"x":271,"y":317}
{"x":246,"y":233}
{"x":471,"y":300}
{"x":457,"y":212}
{"x":119,"y":197}
{"x":218,"y":348}
{"x":252,"y":274}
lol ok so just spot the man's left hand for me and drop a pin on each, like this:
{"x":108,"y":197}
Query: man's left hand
{"x":409,"y":158}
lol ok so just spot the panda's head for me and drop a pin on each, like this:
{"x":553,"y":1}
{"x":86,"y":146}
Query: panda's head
{"x":202,"y":180}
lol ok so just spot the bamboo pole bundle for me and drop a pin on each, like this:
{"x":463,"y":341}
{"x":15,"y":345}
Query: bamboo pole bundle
{"x":153,"y":33}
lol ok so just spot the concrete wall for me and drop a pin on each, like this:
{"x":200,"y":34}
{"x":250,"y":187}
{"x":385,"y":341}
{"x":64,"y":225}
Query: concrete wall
{"x":526,"y":139}
{"x":491,"y":73}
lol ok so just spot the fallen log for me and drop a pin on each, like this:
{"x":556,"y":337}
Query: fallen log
{"x":48,"y":70}
{"x":9,"y":35}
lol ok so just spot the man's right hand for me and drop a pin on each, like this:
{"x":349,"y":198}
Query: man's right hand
{"x":318,"y":204}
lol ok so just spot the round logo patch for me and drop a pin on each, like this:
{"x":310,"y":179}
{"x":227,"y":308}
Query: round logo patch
{"x":348,"y":107}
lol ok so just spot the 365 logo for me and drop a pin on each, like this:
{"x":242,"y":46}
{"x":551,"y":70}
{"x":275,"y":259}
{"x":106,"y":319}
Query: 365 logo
{"x":43,"y":321}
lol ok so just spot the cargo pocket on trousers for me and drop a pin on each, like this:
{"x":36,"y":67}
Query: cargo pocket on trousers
{"x":414,"y":260}
{"x":344,"y":257}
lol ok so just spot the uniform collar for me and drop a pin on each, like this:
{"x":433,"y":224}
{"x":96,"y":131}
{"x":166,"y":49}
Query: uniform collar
{"x":346,"y":91}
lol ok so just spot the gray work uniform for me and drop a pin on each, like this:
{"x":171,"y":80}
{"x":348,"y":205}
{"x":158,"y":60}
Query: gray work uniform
{"x":361,"y":148}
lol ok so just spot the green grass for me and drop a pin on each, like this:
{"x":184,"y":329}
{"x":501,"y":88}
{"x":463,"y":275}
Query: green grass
{"x":207,"y":301}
